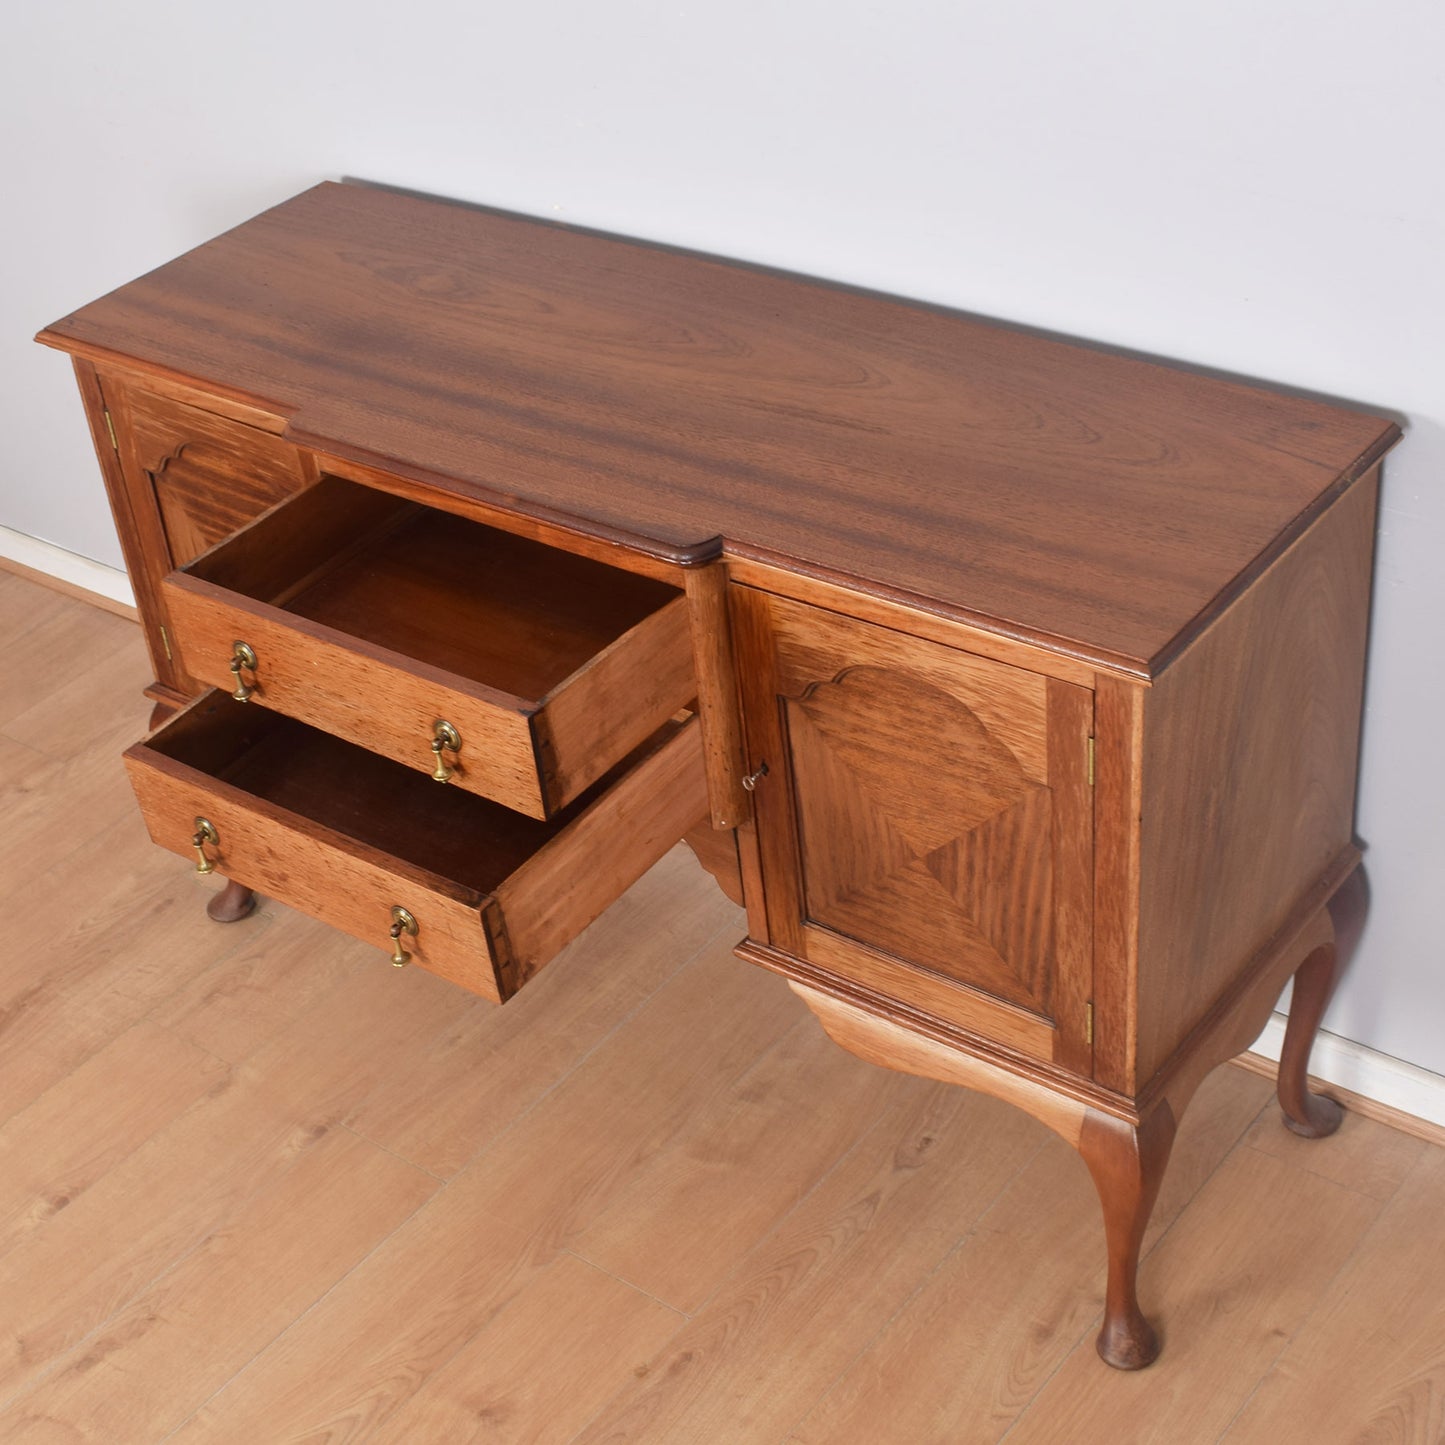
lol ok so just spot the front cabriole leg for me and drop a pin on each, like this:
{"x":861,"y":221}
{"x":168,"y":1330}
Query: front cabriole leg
{"x":1127,"y":1159}
{"x":1127,"y":1162}
{"x":233,"y":903}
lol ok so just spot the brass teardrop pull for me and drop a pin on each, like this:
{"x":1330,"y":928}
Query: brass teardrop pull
{"x":205,"y":833}
{"x":243,"y":657}
{"x":402,"y":921}
{"x":444,"y":736}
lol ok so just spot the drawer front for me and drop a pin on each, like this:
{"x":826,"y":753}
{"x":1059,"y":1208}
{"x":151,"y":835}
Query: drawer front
{"x":488,"y":939}
{"x":338,"y":880}
{"x":389,"y":704}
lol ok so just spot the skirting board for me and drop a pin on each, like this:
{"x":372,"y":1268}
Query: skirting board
{"x":1401,"y":1092}
{"x":108,"y":586}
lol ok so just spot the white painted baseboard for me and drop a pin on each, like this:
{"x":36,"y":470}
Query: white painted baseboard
{"x":1363,"y":1071}
{"x":68,"y":567}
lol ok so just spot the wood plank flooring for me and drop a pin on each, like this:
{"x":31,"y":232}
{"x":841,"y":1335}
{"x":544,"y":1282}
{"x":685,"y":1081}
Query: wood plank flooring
{"x":256,"y":1186}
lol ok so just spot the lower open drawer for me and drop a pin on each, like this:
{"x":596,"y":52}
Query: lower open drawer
{"x":349,"y":836}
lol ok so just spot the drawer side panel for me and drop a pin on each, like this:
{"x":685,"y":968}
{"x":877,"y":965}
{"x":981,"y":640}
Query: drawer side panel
{"x":562,"y":888}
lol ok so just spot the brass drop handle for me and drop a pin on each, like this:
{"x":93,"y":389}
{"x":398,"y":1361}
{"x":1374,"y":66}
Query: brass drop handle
{"x":444,"y":735}
{"x":401,"y":922}
{"x":243,"y":657}
{"x":205,"y":833}
{"x":751,"y":781}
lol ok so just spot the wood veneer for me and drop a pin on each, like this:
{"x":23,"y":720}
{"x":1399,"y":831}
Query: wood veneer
{"x":1027,"y":675}
{"x":1100,"y":501}
{"x":375,"y":618}
{"x":346,"y":833}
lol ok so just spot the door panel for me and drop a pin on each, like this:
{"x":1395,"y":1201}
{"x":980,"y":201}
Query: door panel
{"x":210,"y":475}
{"x":925,"y":814}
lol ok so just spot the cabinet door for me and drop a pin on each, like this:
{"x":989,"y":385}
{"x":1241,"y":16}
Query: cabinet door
{"x":186,"y":479}
{"x":925,"y":825}
{"x":209,"y":475}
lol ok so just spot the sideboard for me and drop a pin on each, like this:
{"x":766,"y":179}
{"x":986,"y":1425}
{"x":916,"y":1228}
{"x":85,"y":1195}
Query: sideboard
{"x":1012,"y":685}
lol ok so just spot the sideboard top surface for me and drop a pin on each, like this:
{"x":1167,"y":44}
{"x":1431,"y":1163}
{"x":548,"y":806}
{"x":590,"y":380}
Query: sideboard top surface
{"x":1052,"y":490}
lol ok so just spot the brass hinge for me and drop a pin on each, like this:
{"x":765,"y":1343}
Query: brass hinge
{"x":1091,"y":762}
{"x":1089,"y":1023}
{"x":166,"y":643}
{"x":110,"y":427}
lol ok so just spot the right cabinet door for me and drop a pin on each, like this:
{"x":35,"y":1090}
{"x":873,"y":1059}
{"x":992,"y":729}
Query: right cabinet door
{"x":925,"y":825}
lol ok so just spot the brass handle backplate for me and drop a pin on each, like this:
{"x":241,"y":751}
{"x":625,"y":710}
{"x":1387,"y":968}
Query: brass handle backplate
{"x":444,"y":736}
{"x":402,"y":921}
{"x":243,"y":657}
{"x":205,"y":833}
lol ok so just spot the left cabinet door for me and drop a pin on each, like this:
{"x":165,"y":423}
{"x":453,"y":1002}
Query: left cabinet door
{"x":925,"y":825}
{"x":209,"y":475}
{"x":191,"y":477}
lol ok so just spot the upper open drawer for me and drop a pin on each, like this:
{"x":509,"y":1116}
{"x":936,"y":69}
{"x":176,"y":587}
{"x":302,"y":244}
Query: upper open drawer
{"x":381,"y":621}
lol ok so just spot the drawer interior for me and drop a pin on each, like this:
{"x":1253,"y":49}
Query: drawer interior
{"x":483,"y":604}
{"x":473,"y":843}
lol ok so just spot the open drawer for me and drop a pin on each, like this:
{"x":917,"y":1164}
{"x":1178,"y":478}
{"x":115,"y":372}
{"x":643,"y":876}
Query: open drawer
{"x":348,"y":836}
{"x":380,"y":620}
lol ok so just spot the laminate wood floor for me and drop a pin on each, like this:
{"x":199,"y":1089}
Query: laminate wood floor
{"x":257,"y":1186}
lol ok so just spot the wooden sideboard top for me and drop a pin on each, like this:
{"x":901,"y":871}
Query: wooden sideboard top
{"x":1048,"y":490}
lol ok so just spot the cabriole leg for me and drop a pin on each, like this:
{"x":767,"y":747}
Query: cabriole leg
{"x":1128,"y":1164}
{"x":1311,"y":1115}
{"x":231,"y":904}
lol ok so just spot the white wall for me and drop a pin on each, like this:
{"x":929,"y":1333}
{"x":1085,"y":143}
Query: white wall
{"x":1250,"y":184}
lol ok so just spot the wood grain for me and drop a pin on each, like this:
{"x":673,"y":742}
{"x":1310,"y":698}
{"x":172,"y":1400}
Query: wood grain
{"x":800,"y":582}
{"x":371,"y":1344}
{"x":926,"y":1288}
{"x":562,"y":887}
{"x":373,"y":618}
{"x":282,"y":796}
{"x":1003,"y":1324}
{"x":383,"y":701}
{"x":1250,"y":752}
{"x":727,"y":401}
{"x":925,"y":822}
{"x":882,"y":1041}
{"x":689,"y":1210}
{"x":717,"y":694}
{"x":137,"y":525}
{"x":209,"y":474}
{"x":717,"y":851}
{"x":501,"y":1386}
{"x":1118,"y":803}
{"x":1200,"y":1280}
{"x":491,"y":1066}
{"x":1339,"y":1378}
{"x":77,"y":1131}
{"x":615,"y":700}
{"x":937,"y":1156}
{"x":167,"y":1351}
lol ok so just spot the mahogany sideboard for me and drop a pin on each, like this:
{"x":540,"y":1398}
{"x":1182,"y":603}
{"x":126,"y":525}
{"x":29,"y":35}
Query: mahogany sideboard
{"x":1014,"y":686}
